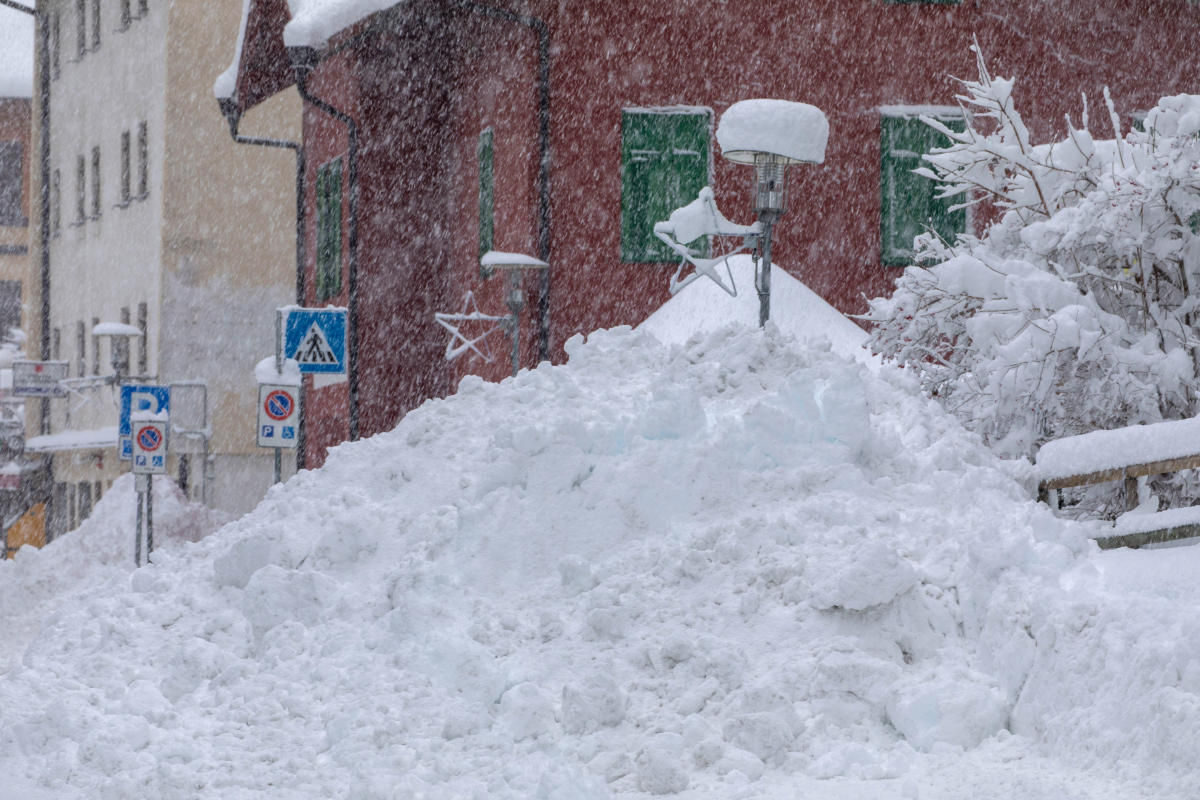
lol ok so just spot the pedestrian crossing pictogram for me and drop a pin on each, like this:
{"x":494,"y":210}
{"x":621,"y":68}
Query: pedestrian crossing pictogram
{"x":314,"y":348}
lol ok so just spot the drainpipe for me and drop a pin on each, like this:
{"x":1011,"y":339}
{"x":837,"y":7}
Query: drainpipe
{"x":43,"y":24}
{"x":304,"y":61}
{"x":233,"y":116}
{"x":542,"y":32}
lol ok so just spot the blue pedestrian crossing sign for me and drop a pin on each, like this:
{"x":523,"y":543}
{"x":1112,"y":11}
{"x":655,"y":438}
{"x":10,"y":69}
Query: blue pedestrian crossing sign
{"x":139,"y":399}
{"x":316,"y":339}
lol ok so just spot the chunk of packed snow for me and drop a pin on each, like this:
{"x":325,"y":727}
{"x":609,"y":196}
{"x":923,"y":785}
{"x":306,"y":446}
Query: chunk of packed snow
{"x":314,"y":21}
{"x":794,"y":131}
{"x":265,"y":372}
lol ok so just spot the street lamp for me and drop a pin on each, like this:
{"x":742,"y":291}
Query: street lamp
{"x":771,"y":135}
{"x":120,"y":332}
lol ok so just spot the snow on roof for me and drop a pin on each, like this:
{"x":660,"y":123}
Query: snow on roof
{"x":226,"y":83}
{"x":314,"y":21}
{"x":795,"y":309}
{"x":795,"y":131}
{"x":1102,"y":450}
{"x":265,"y":372}
{"x":73,"y":440}
{"x":16,"y":53}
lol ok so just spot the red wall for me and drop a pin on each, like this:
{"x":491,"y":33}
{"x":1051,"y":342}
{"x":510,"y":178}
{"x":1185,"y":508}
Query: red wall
{"x":424,"y":84}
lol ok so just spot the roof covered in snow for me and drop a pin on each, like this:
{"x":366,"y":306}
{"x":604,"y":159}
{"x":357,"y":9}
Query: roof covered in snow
{"x":16,"y":52}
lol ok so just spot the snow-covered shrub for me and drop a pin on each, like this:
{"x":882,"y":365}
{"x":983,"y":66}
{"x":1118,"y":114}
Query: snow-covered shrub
{"x":1076,"y":307}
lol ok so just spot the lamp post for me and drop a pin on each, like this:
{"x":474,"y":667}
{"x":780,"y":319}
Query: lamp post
{"x":771,"y":135}
{"x":514,"y":266}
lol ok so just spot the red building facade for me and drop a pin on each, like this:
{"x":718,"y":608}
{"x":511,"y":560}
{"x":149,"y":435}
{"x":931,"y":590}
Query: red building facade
{"x":510,"y":125}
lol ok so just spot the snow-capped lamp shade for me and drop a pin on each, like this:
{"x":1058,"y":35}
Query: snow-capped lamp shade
{"x":772,"y":135}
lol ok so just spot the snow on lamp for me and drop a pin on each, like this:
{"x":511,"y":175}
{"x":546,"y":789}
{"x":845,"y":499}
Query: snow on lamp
{"x":771,"y":135}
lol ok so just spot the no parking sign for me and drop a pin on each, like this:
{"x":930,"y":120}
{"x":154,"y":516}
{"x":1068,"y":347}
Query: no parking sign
{"x":278,"y":408}
{"x":149,"y":447}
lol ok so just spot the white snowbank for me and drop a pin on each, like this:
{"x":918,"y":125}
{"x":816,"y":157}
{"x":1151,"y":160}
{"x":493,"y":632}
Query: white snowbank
{"x":795,"y":131}
{"x":734,"y":569}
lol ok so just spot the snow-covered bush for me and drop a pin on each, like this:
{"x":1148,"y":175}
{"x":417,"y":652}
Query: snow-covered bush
{"x":1076,"y":307}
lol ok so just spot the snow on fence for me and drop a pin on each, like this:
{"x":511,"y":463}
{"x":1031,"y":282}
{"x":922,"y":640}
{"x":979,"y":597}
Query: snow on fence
{"x":1126,"y":454}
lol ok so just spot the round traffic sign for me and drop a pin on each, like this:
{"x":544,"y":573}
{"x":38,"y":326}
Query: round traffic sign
{"x":278,"y":405}
{"x":149,"y":438}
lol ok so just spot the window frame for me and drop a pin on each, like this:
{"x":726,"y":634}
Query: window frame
{"x":14,"y":171}
{"x":639,"y":245}
{"x":485,"y":156}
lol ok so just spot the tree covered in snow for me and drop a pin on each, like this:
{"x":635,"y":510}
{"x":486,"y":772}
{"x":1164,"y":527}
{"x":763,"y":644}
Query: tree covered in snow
{"x":1076,"y":307}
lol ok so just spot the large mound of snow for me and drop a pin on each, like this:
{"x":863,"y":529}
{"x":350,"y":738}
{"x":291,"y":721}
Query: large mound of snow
{"x":734,"y":569}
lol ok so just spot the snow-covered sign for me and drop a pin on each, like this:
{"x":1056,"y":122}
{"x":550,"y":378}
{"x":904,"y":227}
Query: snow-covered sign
{"x":139,"y":400}
{"x":315,"y":338}
{"x":278,"y":413}
{"x":794,"y":132}
{"x":39,"y":378}
{"x":149,"y":444}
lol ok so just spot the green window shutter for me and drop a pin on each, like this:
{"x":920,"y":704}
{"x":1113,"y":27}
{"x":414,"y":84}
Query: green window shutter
{"x":329,"y":229}
{"x":908,"y":203}
{"x":664,"y":165}
{"x":487,"y":191}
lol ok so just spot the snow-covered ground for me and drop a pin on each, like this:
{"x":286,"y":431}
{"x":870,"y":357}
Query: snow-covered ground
{"x":741,"y":567}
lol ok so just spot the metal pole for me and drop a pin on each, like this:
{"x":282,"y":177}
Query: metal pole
{"x":278,"y":371}
{"x":763,"y":279}
{"x":149,"y":516}
{"x":137,"y":534}
{"x":515,"y":304}
{"x":278,"y":465}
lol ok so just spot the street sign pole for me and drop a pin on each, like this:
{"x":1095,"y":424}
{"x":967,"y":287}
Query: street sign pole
{"x":137,"y":530}
{"x":149,"y":516}
{"x":278,"y":371}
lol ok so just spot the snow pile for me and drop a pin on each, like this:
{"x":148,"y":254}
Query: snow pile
{"x":97,"y":553}
{"x":733,"y":569}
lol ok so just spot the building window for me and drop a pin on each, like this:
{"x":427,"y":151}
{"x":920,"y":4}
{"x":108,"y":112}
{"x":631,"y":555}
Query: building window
{"x":80,"y":349}
{"x":12,"y":158}
{"x":56,"y":202}
{"x":95,"y":183}
{"x":143,"y":323}
{"x":80,"y":190}
{"x":56,"y":344}
{"x":80,"y":29}
{"x":143,"y":8}
{"x":55,"y":43}
{"x":95,"y":25}
{"x":85,"y":500}
{"x":664,"y":165}
{"x":487,"y":191}
{"x":909,"y":205}
{"x":329,"y":229}
{"x":95,"y":348}
{"x":126,"y":15}
{"x":125,"y":168}
{"x":143,"y":145}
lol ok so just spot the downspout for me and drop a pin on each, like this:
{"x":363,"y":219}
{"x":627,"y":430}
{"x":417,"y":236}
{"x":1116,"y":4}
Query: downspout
{"x":233,"y":116}
{"x":43,"y":23}
{"x":304,"y":61}
{"x":542,"y":32}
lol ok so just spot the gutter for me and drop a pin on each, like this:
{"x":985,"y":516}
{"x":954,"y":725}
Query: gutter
{"x":304,"y":61}
{"x":233,"y":116}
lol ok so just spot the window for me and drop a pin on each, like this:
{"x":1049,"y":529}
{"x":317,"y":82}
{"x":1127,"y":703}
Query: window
{"x":143,"y":323}
{"x":487,"y":191}
{"x":664,"y":165}
{"x":80,"y":29}
{"x":95,"y":348}
{"x":56,"y":344}
{"x":126,"y":15}
{"x":143,"y":146}
{"x":125,"y":168}
{"x":143,"y":8}
{"x":12,"y":158}
{"x":56,"y":202}
{"x":95,"y":24}
{"x":95,"y":183}
{"x":329,"y":229}
{"x":80,"y":190}
{"x":85,"y":500}
{"x":908,"y":204}
{"x":80,"y":349}
{"x":10,"y":306}
{"x":55,"y":43}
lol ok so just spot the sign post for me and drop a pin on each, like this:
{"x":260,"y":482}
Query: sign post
{"x":149,"y":454}
{"x":278,"y":417}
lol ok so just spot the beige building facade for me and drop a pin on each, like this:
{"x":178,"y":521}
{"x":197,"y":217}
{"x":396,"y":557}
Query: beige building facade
{"x":159,"y":221}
